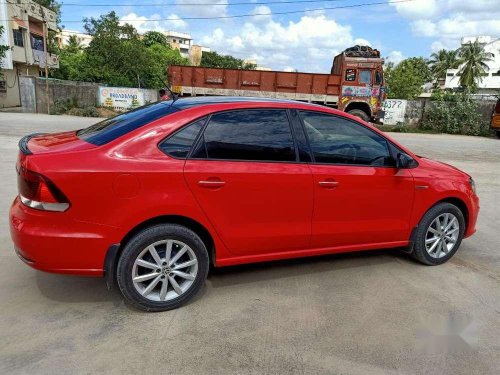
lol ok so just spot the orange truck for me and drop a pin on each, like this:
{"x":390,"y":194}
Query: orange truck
{"x":495,"y":119}
{"x":355,"y":84}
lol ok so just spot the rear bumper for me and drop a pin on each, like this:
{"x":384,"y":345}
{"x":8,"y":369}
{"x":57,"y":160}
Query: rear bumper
{"x":54,"y":242}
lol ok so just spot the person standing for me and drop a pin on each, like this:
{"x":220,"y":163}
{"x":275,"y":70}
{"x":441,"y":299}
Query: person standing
{"x":163,"y":95}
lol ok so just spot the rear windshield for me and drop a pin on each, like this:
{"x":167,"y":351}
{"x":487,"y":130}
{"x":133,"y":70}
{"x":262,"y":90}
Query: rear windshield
{"x":114,"y":127}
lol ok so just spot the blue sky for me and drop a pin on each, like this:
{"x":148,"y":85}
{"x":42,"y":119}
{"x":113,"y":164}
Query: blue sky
{"x":307,"y":40}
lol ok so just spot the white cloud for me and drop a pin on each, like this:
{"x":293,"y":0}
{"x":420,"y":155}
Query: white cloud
{"x":214,"y":8}
{"x":424,"y":28}
{"x":395,"y":57}
{"x":449,"y":20}
{"x":310,"y":43}
{"x":262,"y":13}
{"x":417,"y":9}
{"x":154,"y":22}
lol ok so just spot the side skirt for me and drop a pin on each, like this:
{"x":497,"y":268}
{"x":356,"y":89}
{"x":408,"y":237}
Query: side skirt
{"x":306,"y":253}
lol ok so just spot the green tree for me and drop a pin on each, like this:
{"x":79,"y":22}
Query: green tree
{"x":117,"y":56}
{"x":214,"y":60}
{"x":74,"y":44}
{"x":71,"y":64}
{"x":405,"y":80}
{"x":473,"y":59}
{"x":154,"y":37}
{"x":441,"y":61}
{"x":159,"y":57}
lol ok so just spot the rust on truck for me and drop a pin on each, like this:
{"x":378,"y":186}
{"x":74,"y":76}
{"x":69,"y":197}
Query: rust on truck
{"x":354,"y":85}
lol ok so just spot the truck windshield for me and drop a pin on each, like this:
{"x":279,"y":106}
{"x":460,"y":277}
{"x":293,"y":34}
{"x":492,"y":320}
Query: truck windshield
{"x":114,"y":127}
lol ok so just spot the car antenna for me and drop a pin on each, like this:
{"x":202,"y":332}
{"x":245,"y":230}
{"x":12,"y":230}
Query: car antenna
{"x":174,"y":95}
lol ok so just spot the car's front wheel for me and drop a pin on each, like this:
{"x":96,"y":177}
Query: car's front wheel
{"x":439,"y":234}
{"x":162,"y":267}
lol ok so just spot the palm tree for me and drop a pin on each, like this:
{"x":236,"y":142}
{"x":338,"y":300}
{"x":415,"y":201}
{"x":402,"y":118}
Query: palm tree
{"x":473,"y":59}
{"x":443,"y":60}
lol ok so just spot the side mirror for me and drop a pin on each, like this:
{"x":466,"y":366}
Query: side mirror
{"x":403,"y":161}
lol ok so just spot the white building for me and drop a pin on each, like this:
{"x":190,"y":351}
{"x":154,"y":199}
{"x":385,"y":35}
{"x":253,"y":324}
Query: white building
{"x":64,"y":35}
{"x":184,"y":43}
{"x":181,"y":41}
{"x":490,"y":83}
{"x":257,"y":66}
{"x":24,"y":31}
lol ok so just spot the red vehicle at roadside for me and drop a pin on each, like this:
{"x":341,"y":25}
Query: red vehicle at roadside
{"x":153,"y":196}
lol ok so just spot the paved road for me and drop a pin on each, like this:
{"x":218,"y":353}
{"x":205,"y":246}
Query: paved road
{"x":375,"y":312}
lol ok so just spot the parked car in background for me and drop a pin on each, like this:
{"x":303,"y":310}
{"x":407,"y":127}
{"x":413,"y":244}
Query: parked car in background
{"x":495,"y":119}
{"x":151,"y":197}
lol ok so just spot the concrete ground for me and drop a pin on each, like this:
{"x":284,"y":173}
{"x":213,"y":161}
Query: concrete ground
{"x":374,"y":312}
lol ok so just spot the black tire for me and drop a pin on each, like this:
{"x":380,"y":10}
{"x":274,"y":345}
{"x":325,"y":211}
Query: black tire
{"x":359,"y":113}
{"x":497,"y":133}
{"x":140,"y":242}
{"x":419,"y":248}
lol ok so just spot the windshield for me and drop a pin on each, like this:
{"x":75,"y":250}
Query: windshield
{"x":114,"y":127}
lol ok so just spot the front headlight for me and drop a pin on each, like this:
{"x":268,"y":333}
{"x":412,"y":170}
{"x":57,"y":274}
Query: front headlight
{"x":472,"y":185}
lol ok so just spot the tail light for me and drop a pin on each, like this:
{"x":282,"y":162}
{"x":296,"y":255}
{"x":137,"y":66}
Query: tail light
{"x":38,"y":192}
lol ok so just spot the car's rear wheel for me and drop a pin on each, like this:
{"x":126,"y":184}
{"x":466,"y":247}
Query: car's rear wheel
{"x":439,"y":234}
{"x":162,"y":267}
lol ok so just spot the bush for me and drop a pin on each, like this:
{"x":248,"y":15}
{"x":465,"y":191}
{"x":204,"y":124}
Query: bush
{"x":62,"y":106}
{"x":84,"y":112}
{"x":454,"y":113}
{"x":90,"y":112}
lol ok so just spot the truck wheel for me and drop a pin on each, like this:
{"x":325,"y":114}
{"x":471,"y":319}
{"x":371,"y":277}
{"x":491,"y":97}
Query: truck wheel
{"x":498,"y":133}
{"x":162,"y":267}
{"x":359,"y":113}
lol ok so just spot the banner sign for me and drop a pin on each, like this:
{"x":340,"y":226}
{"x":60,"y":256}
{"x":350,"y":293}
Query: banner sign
{"x":121,"y":97}
{"x":394,"y":111}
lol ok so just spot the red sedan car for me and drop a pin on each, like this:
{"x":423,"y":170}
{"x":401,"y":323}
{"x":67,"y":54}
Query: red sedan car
{"x":151,"y":197}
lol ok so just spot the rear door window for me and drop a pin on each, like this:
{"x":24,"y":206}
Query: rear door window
{"x":114,"y":127}
{"x":179,"y":144}
{"x":254,"y":135}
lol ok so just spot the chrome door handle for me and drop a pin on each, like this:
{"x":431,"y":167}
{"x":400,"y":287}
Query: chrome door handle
{"x":211,"y":183}
{"x":328,"y":184}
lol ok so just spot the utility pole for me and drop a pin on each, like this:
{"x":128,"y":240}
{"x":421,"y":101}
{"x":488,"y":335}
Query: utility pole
{"x":45,"y":36}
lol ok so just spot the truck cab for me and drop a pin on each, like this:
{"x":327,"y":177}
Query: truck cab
{"x":362,"y":82}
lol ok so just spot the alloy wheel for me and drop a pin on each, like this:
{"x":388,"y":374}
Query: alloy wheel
{"x":164,"y":270}
{"x":442,"y":235}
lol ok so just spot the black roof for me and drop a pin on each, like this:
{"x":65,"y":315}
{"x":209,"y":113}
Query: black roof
{"x":194,"y":101}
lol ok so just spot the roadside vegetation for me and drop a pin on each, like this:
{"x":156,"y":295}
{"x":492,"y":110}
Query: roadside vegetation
{"x":449,"y":111}
{"x":71,"y":107}
{"x":454,"y":113}
{"x":119,"y":56}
